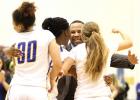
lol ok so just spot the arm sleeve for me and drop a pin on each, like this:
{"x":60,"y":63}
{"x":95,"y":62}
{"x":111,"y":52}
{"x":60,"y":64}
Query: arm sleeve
{"x":121,"y":61}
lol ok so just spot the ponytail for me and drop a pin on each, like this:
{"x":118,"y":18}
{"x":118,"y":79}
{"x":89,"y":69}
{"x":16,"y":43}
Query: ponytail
{"x":97,"y":53}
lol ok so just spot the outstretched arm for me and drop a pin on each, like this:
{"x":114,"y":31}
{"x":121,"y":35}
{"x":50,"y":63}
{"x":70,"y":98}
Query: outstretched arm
{"x":124,"y":61}
{"x":126,"y":40}
{"x":57,"y":63}
{"x":68,"y":63}
{"x":10,"y":51}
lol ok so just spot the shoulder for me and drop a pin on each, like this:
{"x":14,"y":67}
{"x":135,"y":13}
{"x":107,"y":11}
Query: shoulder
{"x":79,"y":47}
{"x":44,"y":35}
{"x":78,"y":52}
{"x":43,"y":32}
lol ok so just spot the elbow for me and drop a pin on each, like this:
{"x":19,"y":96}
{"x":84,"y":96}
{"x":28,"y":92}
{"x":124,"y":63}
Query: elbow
{"x":65,"y":71}
{"x":57,"y":67}
{"x":130,"y":44}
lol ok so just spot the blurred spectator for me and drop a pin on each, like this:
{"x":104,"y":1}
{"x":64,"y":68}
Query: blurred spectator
{"x":5,"y":76}
{"x":138,"y":91}
{"x":119,"y":92}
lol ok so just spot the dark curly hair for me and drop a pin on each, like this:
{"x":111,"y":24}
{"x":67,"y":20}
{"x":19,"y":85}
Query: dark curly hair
{"x":56,"y":25}
{"x":25,"y":15}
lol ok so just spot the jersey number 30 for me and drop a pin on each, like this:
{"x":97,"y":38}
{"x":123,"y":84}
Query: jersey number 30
{"x":29,"y":51}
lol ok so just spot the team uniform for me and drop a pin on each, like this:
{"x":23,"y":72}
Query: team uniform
{"x":29,"y":80}
{"x":87,"y":89}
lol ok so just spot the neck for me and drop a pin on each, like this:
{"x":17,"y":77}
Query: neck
{"x":61,"y":41}
{"x":26,"y":30}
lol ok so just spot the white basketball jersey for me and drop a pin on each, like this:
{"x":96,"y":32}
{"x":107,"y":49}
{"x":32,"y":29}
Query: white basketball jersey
{"x":31,"y":68}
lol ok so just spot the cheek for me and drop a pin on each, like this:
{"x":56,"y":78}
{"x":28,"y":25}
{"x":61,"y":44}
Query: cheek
{"x":71,"y":36}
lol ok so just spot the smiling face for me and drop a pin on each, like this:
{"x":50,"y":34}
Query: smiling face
{"x":76,"y":33}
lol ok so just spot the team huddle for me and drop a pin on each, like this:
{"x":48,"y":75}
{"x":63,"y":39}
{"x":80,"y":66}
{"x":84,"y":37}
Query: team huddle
{"x":62,"y":61}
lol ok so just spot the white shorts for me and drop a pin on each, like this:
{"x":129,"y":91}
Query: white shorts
{"x":20,"y":92}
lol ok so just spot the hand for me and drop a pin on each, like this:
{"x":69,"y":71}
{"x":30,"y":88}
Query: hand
{"x":2,"y":76}
{"x":52,"y":84}
{"x":108,"y":79}
{"x":12,"y":51}
{"x":115,"y":30}
{"x":132,"y":58}
{"x":61,"y":73}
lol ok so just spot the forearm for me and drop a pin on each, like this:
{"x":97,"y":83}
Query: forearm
{"x":54,"y":72}
{"x":68,"y":63}
{"x":127,"y":42}
{"x":124,"y":36}
{"x":53,"y":76}
{"x":121,"y":61}
{"x":5,"y":85}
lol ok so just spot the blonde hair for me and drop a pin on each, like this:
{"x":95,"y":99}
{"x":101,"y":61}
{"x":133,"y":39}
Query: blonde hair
{"x":96,"y":49}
